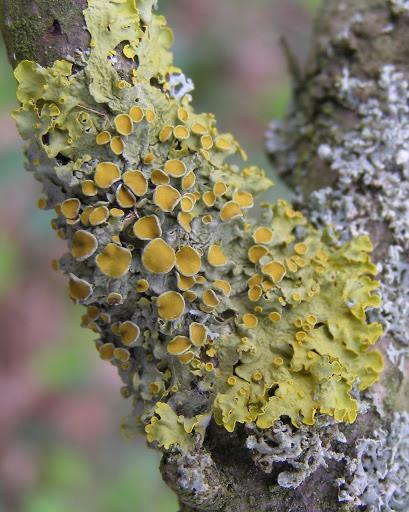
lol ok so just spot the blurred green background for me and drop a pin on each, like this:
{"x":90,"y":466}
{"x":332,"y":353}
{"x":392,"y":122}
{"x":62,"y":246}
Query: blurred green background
{"x":60,"y":408}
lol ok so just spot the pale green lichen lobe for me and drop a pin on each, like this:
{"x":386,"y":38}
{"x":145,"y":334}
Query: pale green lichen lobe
{"x":205,"y":311}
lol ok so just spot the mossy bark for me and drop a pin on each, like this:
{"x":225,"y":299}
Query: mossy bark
{"x":46,"y":30}
{"x":43,"y":30}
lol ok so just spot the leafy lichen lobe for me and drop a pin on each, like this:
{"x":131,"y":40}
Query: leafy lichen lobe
{"x":206,"y":311}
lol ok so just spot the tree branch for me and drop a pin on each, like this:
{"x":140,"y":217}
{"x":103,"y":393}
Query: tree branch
{"x":215,"y":457}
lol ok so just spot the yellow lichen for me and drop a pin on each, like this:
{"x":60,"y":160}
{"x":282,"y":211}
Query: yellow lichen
{"x":184,"y":219}
{"x":175,"y":168}
{"x":136,"y":181}
{"x":185,"y":283}
{"x":219,"y":189}
{"x":216,"y":256}
{"x":117,"y":145}
{"x":136,"y":114}
{"x":142,"y":286}
{"x":158,"y":257}
{"x":116,"y":213}
{"x":89,"y":188}
{"x":70,"y":208}
{"x":171,"y":305}
{"x":106,"y":351}
{"x":224,"y":143}
{"x":197,"y":333}
{"x":158,"y":177}
{"x":165,"y":133}
{"x":183,"y":114}
{"x":188,"y":261}
{"x":179,"y":345}
{"x":181,"y":132}
{"x":186,"y":358}
{"x":103,"y":138}
{"x":114,"y":261}
{"x":84,"y":244}
{"x":255,"y":293}
{"x":166,"y":197}
{"x":250,"y":320}
{"x":243,"y":199}
{"x":129,"y":333}
{"x":149,"y":159}
{"x":275,"y":270}
{"x":188,"y":181}
{"x":123,"y":124}
{"x":150,"y":115}
{"x":209,"y":198}
{"x":80,"y":289}
{"x":300,"y":248}
{"x":106,"y":174}
{"x":223,"y":286}
{"x":230,"y":210}
{"x":190,"y":296}
{"x":274,"y":316}
{"x":263,"y":235}
{"x":42,"y":203}
{"x":210,"y":298}
{"x":186,"y":204}
{"x":84,"y":217}
{"x":114,"y":298}
{"x":98,"y":215}
{"x":147,"y":228}
{"x":122,"y":354}
{"x":124,"y":197}
{"x":206,"y":142}
{"x":256,"y":252}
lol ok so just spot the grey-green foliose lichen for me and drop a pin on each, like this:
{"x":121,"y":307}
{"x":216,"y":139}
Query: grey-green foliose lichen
{"x":299,"y":451}
{"x":378,"y":477}
{"x":207,"y":312}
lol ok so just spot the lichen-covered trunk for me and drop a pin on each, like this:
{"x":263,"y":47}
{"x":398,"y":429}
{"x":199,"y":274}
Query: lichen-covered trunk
{"x":344,"y":149}
{"x":262,"y":377}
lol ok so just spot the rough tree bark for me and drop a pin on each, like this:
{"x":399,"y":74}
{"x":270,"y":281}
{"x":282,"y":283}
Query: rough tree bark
{"x":349,"y":102}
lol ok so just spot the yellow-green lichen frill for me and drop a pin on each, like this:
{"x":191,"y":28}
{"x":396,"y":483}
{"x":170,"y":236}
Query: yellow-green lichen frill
{"x":206,"y":312}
